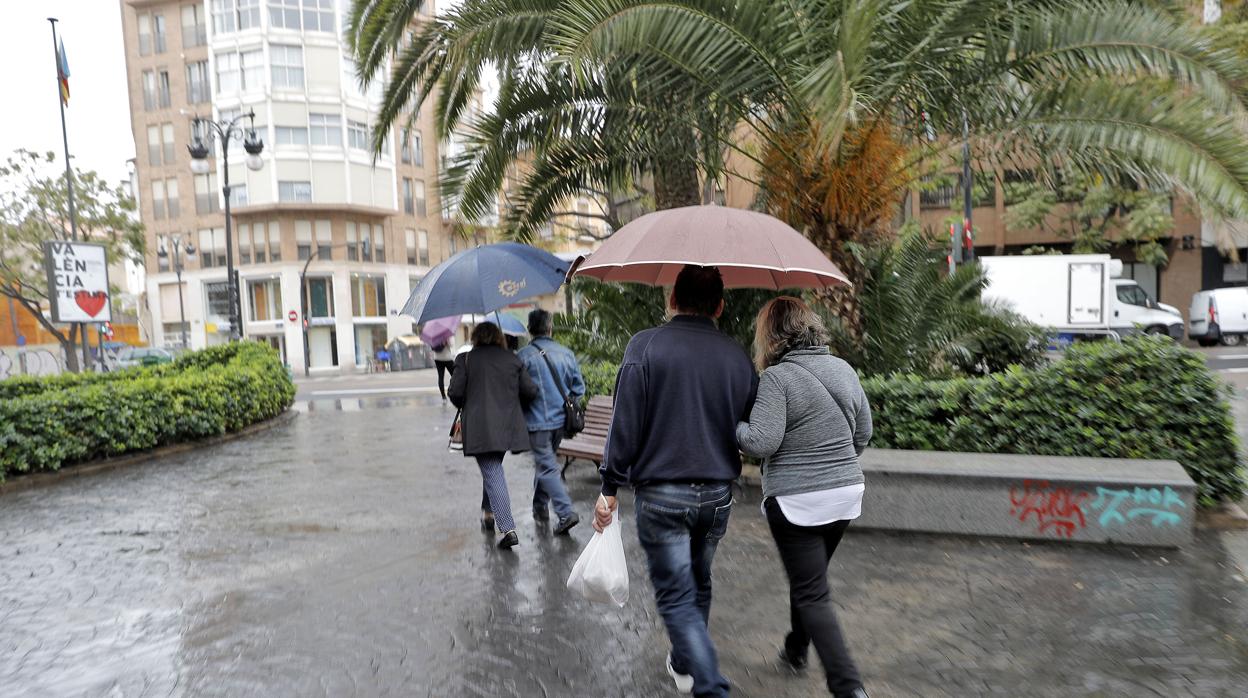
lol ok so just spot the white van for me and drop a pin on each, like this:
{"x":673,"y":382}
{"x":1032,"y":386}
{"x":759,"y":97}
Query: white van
{"x":1220,"y":314}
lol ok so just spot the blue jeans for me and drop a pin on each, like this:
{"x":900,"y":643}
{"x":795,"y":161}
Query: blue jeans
{"x":548,"y":486}
{"x":679,"y":526}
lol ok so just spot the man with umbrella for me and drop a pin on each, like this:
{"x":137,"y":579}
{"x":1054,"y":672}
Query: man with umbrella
{"x":556,"y":372}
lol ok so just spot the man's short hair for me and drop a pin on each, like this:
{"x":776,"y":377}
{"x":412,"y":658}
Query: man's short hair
{"x":540,"y":323}
{"x":699,"y":290}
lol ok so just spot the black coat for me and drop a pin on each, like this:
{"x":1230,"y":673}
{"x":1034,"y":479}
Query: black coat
{"x":491,"y":386}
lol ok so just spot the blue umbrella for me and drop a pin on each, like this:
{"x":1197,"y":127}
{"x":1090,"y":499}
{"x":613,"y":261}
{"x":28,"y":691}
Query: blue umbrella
{"x":509,"y":324}
{"x":484,"y":279}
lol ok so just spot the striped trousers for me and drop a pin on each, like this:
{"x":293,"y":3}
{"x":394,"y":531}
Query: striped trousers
{"x":496,"y":495}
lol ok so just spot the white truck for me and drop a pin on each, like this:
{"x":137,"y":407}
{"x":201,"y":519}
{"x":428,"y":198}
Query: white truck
{"x":1077,"y":296}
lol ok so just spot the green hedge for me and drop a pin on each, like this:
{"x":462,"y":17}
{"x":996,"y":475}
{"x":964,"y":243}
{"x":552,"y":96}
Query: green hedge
{"x":60,"y":420}
{"x":1144,"y":398}
{"x":599,"y":377}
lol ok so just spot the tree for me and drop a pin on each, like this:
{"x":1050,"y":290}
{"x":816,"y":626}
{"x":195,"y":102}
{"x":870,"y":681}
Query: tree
{"x":1093,"y":213}
{"x":831,"y":105}
{"x":919,"y":319}
{"x":34,"y":208}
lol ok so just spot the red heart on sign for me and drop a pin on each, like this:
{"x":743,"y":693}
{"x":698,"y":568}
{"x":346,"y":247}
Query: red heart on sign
{"x":91,"y":303}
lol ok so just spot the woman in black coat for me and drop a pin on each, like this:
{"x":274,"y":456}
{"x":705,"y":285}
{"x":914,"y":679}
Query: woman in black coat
{"x":491,"y":386}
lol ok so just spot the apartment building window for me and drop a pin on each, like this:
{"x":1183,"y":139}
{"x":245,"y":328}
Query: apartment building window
{"x":154,"y":146}
{"x":194,"y":29}
{"x":166,"y":137}
{"x":211,"y":248}
{"x":325,"y":129}
{"x":294,"y":191}
{"x":239,"y":71}
{"x":235,"y":15}
{"x":357,"y":135}
{"x":409,"y":206}
{"x":217,"y":301}
{"x":320,"y":295}
{"x":162,"y":263}
{"x":244,"y":243}
{"x":405,"y":150}
{"x":206,"y":200}
{"x":145,"y":35}
{"x":224,"y":19}
{"x":368,"y":295}
{"x":199,"y":132}
{"x":162,"y":89}
{"x":158,"y":33}
{"x":252,"y":63}
{"x":149,"y":90}
{"x":290,"y":135}
{"x":227,"y":72}
{"x":259,"y":245}
{"x":357,"y":249}
{"x":287,"y":66}
{"x":264,"y":299}
{"x":198,"y":88}
{"x":171,"y":197}
{"x":324,"y":241}
{"x":275,"y":241}
{"x":420,"y":198}
{"x":418,"y":149}
{"x":379,"y":243}
{"x":303,"y":240}
{"x":238,"y":195}
{"x":422,"y":247}
{"x":316,"y":15}
{"x":409,"y":237}
{"x":158,"y":198}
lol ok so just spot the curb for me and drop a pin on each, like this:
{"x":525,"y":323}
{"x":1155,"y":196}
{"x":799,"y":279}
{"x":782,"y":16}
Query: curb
{"x":41,"y":479}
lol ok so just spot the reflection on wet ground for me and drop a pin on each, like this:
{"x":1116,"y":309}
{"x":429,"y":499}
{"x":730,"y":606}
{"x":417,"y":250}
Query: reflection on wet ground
{"x":339,"y":555}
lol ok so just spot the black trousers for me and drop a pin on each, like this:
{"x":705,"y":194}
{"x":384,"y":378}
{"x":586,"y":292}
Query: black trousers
{"x":444,"y":367}
{"x":806,"y":552}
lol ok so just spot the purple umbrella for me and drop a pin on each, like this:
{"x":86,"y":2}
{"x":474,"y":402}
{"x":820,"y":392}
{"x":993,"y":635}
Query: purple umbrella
{"x":436,"y":332}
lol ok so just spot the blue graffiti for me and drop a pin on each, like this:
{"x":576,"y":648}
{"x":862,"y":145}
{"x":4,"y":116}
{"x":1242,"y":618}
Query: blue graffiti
{"x":1121,"y":506}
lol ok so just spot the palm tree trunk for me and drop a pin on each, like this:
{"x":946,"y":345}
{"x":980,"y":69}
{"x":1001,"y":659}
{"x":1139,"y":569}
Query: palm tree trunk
{"x":676,"y":169}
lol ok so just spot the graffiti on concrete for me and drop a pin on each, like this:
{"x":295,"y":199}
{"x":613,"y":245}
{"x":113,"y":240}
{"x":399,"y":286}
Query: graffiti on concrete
{"x":1058,"y":509}
{"x":1153,"y":504}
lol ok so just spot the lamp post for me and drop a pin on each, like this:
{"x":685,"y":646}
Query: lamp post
{"x":224,"y":132}
{"x":303,"y":296}
{"x":180,"y":246}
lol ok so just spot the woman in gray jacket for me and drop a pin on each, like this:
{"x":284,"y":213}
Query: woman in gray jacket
{"x":810,"y":423}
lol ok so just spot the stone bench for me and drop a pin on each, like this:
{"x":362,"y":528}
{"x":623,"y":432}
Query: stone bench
{"x":1091,"y":500}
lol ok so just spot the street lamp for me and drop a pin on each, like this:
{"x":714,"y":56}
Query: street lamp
{"x":303,"y":295}
{"x":224,"y":132}
{"x":180,"y":246}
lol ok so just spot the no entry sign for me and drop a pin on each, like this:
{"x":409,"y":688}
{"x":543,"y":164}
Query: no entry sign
{"x":292,"y":315}
{"x":77,"y":281}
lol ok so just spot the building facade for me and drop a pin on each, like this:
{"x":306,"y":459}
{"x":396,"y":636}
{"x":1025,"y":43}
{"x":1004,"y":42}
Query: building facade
{"x":366,"y":229}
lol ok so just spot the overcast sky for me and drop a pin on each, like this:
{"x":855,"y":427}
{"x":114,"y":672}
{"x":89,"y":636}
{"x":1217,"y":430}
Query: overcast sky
{"x":98,"y":114}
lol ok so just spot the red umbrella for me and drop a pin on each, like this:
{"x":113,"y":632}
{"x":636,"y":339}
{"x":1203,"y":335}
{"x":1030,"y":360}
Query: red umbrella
{"x":751,"y":249}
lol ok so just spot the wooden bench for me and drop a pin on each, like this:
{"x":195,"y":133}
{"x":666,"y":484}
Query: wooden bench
{"x":589,"y":444}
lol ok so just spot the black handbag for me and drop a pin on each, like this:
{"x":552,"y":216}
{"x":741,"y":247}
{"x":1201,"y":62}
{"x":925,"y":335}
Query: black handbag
{"x":573,"y":413}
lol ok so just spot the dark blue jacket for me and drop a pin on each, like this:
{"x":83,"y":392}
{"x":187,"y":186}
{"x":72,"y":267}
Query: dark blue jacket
{"x":681,"y":390}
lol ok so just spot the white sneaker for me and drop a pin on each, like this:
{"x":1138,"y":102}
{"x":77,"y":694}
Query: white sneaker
{"x":684,"y":682}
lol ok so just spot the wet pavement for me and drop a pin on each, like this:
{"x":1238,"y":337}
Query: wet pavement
{"x":340,"y":555}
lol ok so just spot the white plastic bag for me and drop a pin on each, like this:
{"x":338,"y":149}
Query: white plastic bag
{"x":600,"y":573}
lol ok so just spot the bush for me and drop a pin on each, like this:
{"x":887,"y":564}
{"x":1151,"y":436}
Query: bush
{"x":50,"y":422}
{"x":599,"y":377}
{"x":1144,"y":398}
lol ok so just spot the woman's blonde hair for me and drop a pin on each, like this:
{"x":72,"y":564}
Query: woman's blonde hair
{"x":784,"y":324}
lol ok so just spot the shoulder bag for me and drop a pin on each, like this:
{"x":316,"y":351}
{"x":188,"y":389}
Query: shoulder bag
{"x":455,"y":442}
{"x":573,"y":413}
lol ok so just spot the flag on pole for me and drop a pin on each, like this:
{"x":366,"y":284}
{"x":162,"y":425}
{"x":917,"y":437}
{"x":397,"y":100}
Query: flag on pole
{"x":62,"y":72}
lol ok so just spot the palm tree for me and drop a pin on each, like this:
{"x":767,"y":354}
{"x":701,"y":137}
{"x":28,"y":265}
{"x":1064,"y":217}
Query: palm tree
{"x":832,"y":106}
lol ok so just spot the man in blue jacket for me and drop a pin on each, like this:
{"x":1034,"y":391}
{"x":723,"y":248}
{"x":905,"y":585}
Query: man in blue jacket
{"x":681,"y":389}
{"x":555,"y":371}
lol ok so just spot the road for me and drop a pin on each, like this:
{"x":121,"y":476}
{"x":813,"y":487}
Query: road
{"x":399,"y":383}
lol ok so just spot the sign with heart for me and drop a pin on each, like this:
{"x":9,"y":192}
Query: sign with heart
{"x":77,"y":281}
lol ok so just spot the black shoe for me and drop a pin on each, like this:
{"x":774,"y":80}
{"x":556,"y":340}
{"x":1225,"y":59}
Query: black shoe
{"x":487,"y":521}
{"x":510,"y":540}
{"x":566,"y":525}
{"x":792,"y":661}
{"x":541,"y":514}
{"x":859,"y":693}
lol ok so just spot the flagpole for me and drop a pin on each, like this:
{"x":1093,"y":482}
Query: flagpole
{"x":69,"y":177}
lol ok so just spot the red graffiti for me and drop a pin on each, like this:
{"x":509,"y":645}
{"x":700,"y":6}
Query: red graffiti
{"x":1055,"y":508}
